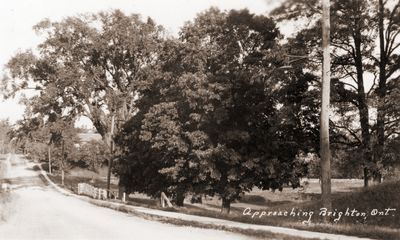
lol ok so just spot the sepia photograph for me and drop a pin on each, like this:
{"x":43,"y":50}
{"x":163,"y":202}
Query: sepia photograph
{"x":200,"y":119}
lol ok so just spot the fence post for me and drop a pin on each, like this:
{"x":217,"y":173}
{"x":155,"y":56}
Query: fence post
{"x":164,"y":199}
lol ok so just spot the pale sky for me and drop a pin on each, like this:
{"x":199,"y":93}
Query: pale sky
{"x":18,"y":16}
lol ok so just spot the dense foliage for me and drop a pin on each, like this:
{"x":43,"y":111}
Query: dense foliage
{"x":365,"y":70}
{"x":229,"y":105}
{"x":223,"y":114}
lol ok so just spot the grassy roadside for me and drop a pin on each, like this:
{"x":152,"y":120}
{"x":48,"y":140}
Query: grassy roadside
{"x":179,"y":222}
{"x":379,"y":197}
{"x":377,"y":227}
{"x":5,"y":197}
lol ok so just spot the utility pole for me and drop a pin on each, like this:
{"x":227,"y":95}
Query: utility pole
{"x":62,"y":162}
{"x":49,"y":156}
{"x":110,"y":160}
{"x":324,"y":125}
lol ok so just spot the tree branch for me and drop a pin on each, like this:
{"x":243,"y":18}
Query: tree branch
{"x":352,"y":133}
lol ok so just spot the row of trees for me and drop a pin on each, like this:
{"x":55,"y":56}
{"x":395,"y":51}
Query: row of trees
{"x":365,"y":69}
{"x":5,"y":127}
{"x":230,"y":104}
{"x":217,"y":111}
{"x":46,"y":136}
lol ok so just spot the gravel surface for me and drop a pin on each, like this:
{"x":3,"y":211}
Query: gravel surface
{"x":39,"y":212}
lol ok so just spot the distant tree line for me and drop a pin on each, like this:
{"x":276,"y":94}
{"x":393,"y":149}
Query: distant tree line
{"x":42,"y":137}
{"x":5,"y":127}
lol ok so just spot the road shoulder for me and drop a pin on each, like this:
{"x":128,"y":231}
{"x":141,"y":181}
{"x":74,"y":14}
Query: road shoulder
{"x":203,"y":222}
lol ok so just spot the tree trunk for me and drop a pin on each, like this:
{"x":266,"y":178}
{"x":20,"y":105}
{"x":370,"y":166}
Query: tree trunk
{"x":378,"y":177}
{"x":62,"y":162}
{"x":49,"y":155}
{"x":179,"y":198}
{"x":226,"y":205}
{"x":62,"y":177}
{"x":381,"y":93}
{"x":121,"y":191}
{"x":324,"y":127}
{"x":362,"y":102}
{"x":365,"y":170}
{"x":110,"y":163}
{"x":110,"y":160}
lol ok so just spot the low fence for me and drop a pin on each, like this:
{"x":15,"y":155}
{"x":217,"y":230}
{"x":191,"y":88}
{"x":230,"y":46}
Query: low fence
{"x":5,"y":187}
{"x":99,"y":193}
{"x":91,"y":191}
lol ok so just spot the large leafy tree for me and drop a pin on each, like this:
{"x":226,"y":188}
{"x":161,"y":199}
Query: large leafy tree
{"x":90,"y":64}
{"x":213,"y":121}
{"x":387,"y":65}
{"x":353,"y":42}
{"x":63,"y":137}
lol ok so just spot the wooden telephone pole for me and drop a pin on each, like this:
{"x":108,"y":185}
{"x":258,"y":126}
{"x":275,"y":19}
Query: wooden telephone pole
{"x":110,"y":161}
{"x":49,"y":156}
{"x":62,"y":162}
{"x":324,"y":127}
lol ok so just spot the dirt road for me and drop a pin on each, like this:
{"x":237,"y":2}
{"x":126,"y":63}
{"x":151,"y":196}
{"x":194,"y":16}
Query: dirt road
{"x":36,"y":211}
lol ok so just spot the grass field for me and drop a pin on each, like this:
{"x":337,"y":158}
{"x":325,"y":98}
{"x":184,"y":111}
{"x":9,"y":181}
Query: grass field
{"x":347,"y":194}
